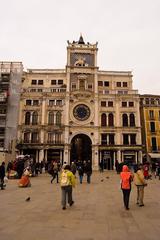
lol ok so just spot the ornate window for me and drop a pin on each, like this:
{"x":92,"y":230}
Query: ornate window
{"x":103,"y":120}
{"x":132,"y":120}
{"x":34,"y":118}
{"x":58,"y":118}
{"x":27,"y":118}
{"x":125,"y":120}
{"x":51,"y":118}
{"x":110,"y":120}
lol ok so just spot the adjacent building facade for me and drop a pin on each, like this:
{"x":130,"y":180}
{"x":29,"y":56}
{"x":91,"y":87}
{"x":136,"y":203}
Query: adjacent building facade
{"x":150,"y":122}
{"x":10,"y":84}
{"x":80,"y":112}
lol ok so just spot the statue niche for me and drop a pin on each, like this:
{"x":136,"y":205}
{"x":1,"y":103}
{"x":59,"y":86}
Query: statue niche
{"x":81,"y":62}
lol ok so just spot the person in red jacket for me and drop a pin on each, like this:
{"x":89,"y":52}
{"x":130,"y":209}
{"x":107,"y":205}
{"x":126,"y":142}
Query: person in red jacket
{"x":126,"y":179}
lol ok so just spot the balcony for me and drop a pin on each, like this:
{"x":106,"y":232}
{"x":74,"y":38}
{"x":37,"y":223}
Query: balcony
{"x":53,"y":142}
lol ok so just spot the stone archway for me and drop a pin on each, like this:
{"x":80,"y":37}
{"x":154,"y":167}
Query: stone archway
{"x":81,"y":148}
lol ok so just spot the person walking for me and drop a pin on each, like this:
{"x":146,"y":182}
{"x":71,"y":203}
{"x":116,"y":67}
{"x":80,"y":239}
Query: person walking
{"x":126,"y":179}
{"x":80,"y":172}
{"x":140,"y":183}
{"x":67,"y":182}
{"x":2,"y":175}
{"x":73,"y":168}
{"x":88,"y":170}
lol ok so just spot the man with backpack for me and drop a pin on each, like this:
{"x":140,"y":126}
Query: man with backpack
{"x":67,"y":181}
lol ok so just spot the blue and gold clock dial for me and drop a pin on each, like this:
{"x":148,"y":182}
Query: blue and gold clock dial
{"x":81,"y":112}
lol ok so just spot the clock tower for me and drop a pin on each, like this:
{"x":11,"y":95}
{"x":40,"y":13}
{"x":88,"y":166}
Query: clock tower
{"x":81,"y":116}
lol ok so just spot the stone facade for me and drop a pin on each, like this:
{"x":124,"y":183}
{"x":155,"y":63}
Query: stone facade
{"x":150,"y":122}
{"x":80,"y":112}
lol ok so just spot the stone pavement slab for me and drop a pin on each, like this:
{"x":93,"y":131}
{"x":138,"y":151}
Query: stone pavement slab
{"x":98,"y":212}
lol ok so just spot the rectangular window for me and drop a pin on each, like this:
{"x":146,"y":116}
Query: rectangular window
{"x":103,"y":104}
{"x":58,"y":138}
{"x":154,"y":144}
{"x":104,"y":139}
{"x":28,"y":102}
{"x":151,"y":114}
{"x":124,"y":84}
{"x":2,"y":120}
{"x":100,"y":83}
{"x":90,"y":86}
{"x":51,"y":103}
{"x":40,"y":82}
{"x":74,"y":86}
{"x":110,"y":104}
{"x":131,"y":104}
{"x":3,"y":111}
{"x":106,"y":83}
{"x":53,"y":89}
{"x":132,"y":139}
{"x":59,"y":102}
{"x":33,"y":90}
{"x":53,"y":82}
{"x":118,"y":84}
{"x":50,"y":137}
{"x":111,"y":139}
{"x":34,"y":82}
{"x":26,"y":137}
{"x":2,"y":131}
{"x":1,"y":143}
{"x":34,"y":137}
{"x":152,"y":126}
{"x":39,"y":90}
{"x":124,"y":104}
{"x":60,"y":81}
{"x":125,"y":139}
{"x":35,"y":102}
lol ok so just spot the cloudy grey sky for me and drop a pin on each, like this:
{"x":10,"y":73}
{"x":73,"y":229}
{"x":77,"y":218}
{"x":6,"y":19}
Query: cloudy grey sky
{"x":128,"y":34}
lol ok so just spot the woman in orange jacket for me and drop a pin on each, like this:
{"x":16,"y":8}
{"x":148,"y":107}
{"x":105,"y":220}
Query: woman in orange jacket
{"x":126,"y":179}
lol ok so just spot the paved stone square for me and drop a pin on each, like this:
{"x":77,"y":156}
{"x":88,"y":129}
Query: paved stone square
{"x":98,"y":212}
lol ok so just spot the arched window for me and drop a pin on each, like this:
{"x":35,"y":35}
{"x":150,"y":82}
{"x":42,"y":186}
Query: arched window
{"x":51,"y":118}
{"x":103,"y":120}
{"x":125,"y":120}
{"x":132,"y":120}
{"x":34,"y":118}
{"x":110,"y":120}
{"x":58,"y":118}
{"x":27,"y":118}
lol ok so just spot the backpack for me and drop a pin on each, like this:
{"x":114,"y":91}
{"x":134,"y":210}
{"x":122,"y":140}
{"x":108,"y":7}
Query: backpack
{"x":64,"y":179}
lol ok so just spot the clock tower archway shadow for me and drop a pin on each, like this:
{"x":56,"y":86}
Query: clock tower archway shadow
{"x":81,"y":148}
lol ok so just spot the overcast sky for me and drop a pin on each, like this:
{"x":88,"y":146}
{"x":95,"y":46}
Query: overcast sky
{"x":128,"y":34}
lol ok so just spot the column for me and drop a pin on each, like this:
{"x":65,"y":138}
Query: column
{"x":41,"y":155}
{"x":119,"y":156}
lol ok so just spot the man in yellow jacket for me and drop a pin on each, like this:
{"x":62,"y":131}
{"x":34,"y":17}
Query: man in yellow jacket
{"x":67,"y":182}
{"x":140,"y":182}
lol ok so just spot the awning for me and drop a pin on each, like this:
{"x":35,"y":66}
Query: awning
{"x":154,"y":155}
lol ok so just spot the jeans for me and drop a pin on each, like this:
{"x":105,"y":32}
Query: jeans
{"x":80,"y":178}
{"x":66,"y":193}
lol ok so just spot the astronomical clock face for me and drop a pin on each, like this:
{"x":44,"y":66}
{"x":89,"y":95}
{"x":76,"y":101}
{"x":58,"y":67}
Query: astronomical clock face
{"x":81,"y":112}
